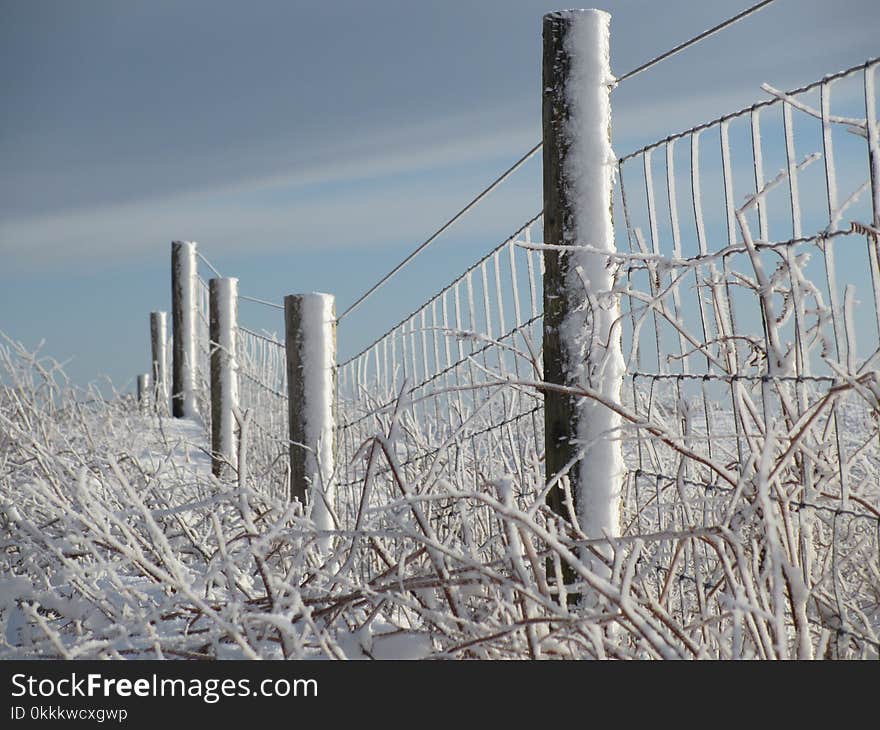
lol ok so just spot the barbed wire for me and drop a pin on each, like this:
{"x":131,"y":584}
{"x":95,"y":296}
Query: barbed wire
{"x":264,"y":302}
{"x":266,"y":338}
{"x":733,"y":378}
{"x":245,"y":297}
{"x":440,"y":373}
{"x":468,"y":437}
{"x":256,"y":381}
{"x":208,"y":263}
{"x":646,"y":261}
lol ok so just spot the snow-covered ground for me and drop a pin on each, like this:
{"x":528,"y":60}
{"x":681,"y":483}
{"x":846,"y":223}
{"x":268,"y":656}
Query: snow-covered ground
{"x":118,"y":542}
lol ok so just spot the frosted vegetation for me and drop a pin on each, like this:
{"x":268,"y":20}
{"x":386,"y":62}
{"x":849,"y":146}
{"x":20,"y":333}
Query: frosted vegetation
{"x":118,"y":542}
{"x":748,"y":425}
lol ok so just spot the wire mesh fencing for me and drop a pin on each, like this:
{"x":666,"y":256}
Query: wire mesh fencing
{"x":432,"y":376}
{"x":748,"y":271}
{"x":749,"y":275}
{"x":262,"y":375}
{"x":751,"y":330}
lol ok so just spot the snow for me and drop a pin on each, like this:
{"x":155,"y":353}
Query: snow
{"x":119,"y":542}
{"x":187,"y":278}
{"x":143,"y":387}
{"x":318,"y":368}
{"x":226,"y":292}
{"x":159,"y":335}
{"x":381,"y":640}
{"x":591,"y":342}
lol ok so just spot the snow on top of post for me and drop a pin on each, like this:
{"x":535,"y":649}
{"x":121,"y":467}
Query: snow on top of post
{"x":574,"y":12}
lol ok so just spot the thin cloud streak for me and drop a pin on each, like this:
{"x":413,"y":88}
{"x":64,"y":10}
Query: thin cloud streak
{"x":280,"y":208}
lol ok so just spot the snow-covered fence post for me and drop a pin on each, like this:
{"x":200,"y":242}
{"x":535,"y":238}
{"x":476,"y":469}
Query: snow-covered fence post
{"x":143,"y":390}
{"x":183,"y":315}
{"x":223,"y":305}
{"x":581,"y":331}
{"x":310,"y":330}
{"x":159,"y":349}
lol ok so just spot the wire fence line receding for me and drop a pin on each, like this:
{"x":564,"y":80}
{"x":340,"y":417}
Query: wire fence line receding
{"x":747,"y":272}
{"x":745,"y":245}
{"x":441,"y":360}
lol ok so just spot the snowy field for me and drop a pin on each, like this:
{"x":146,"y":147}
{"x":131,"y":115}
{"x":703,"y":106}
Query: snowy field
{"x":118,"y":543}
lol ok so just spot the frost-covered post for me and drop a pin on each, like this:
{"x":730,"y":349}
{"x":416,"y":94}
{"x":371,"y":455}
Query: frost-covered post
{"x":143,"y":390}
{"x":183,"y":316}
{"x":310,"y":329}
{"x":223,"y":306}
{"x":158,"y":347}
{"x":581,"y":331}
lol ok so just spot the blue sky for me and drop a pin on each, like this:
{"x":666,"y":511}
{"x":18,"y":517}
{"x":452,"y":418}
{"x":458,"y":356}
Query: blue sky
{"x":311,"y":145}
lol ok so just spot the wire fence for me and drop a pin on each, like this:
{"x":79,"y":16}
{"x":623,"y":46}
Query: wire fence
{"x":749,"y":272}
{"x":263,"y":401}
{"x":752,"y":330}
{"x":432,"y":374}
{"x":748,"y":269}
{"x":763,"y":324}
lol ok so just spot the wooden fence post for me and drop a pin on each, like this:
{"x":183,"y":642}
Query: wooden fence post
{"x":159,"y":347}
{"x":223,"y":295}
{"x":310,"y":331}
{"x":582,"y":346}
{"x":143,"y":390}
{"x":183,"y":315}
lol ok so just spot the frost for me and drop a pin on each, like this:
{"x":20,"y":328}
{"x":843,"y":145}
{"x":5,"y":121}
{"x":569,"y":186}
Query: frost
{"x":225,"y":309}
{"x":319,"y":363}
{"x":118,"y":542}
{"x":591,"y":341}
{"x":187,"y":277}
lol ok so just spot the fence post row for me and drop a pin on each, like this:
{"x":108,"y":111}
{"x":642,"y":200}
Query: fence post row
{"x":183,"y":314}
{"x":581,"y":334}
{"x":158,"y":347}
{"x":310,"y":339}
{"x":223,"y":305}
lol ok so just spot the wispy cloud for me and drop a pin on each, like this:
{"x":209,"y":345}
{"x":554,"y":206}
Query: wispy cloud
{"x":379,"y":187}
{"x":365,"y":205}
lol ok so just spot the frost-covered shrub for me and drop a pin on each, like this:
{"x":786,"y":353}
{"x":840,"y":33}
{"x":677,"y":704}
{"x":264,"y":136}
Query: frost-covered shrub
{"x":118,"y":542}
